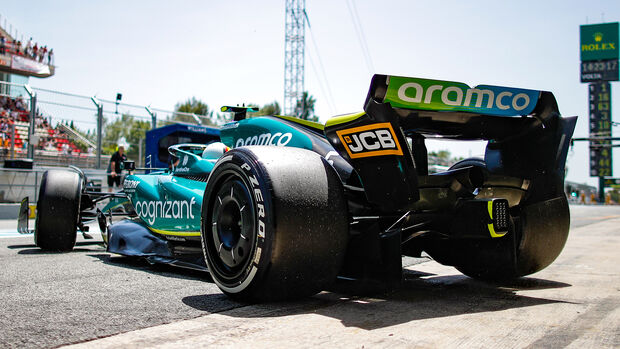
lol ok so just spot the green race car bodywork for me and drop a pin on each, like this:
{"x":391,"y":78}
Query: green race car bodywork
{"x":281,"y":206}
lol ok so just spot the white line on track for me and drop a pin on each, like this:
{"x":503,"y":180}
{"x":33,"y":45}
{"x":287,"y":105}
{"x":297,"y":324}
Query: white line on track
{"x":11,"y":233}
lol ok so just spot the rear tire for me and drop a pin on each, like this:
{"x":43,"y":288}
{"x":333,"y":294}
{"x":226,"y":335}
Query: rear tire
{"x":58,"y":210}
{"x":541,"y":231}
{"x":476,"y":162}
{"x":535,"y":239}
{"x":274,"y":223}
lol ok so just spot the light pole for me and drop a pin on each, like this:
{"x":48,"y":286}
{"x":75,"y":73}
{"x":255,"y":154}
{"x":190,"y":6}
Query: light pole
{"x":99,"y":128}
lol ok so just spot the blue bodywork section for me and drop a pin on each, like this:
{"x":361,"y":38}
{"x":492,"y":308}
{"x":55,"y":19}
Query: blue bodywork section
{"x":159,"y":139}
{"x":130,"y":237}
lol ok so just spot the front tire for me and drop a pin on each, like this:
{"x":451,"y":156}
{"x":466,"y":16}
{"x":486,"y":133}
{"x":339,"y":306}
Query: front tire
{"x":58,"y":210}
{"x":274,"y":223}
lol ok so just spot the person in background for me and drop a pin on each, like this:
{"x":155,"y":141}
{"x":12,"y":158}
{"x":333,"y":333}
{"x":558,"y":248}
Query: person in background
{"x":116,"y":168}
{"x":43,"y":54}
{"x":5,"y":148}
{"x":28,"y":49}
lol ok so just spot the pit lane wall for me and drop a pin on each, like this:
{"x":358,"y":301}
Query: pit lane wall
{"x":16,"y":184}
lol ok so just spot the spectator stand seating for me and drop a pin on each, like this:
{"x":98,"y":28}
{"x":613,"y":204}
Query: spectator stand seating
{"x":51,"y":141}
{"x":29,"y":49}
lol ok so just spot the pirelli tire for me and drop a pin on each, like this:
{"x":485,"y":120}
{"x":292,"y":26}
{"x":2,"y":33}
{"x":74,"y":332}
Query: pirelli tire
{"x":58,"y":210}
{"x":536,"y":238}
{"x":274,"y":223}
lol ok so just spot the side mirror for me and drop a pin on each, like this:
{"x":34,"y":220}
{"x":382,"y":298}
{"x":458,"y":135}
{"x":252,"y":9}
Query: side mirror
{"x":129,"y":165}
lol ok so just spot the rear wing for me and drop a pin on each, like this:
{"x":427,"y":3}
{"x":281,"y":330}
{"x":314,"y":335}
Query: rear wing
{"x":449,"y":96}
{"x":385,"y":144}
{"x":455,"y":110}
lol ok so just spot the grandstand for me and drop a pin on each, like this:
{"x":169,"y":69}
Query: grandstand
{"x":59,"y":145}
{"x":24,"y":58}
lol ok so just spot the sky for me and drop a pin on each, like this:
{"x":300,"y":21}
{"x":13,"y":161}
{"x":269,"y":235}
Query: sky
{"x":160,"y":53}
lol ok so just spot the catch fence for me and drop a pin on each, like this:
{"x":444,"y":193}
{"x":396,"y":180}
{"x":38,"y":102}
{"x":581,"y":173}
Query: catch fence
{"x":52,"y":128}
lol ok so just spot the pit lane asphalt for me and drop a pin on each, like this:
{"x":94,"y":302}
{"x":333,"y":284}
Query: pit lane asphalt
{"x":50,"y":299}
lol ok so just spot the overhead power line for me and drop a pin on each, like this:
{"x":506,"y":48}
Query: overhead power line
{"x":322,"y":79}
{"x":361,"y":37}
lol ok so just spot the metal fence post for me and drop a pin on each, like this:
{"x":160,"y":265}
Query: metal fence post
{"x":140,"y":151}
{"x":153,"y":117}
{"x":99,"y":128}
{"x":36,"y":185}
{"x":13,"y":140}
{"x":33,"y":114}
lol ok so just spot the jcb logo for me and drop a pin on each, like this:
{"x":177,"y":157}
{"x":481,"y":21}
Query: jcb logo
{"x":370,"y":140}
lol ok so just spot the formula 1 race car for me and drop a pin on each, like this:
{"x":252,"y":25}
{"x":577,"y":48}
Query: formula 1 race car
{"x":294,"y":204}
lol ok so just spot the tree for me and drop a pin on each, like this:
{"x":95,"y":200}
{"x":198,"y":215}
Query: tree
{"x":126,"y":128}
{"x":113,"y":131}
{"x":136,"y":138}
{"x":442,"y":157}
{"x":192,"y":106}
{"x":442,"y":154}
{"x":305,"y":107}
{"x":269,"y":109}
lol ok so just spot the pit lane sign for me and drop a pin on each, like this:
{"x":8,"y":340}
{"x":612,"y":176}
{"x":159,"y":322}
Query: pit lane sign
{"x":600,"y":109}
{"x":602,"y":70}
{"x":600,"y":127}
{"x":599,"y":41}
{"x":599,"y":52}
{"x":599,"y":47}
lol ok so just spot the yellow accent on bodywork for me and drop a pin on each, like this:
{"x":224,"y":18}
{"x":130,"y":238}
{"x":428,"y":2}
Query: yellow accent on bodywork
{"x":175,"y":233}
{"x":343,"y":119}
{"x":32,"y":211}
{"x":308,"y":123}
{"x":493,"y":233}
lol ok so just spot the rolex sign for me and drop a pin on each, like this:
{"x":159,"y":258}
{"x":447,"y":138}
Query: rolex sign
{"x":599,"y":41}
